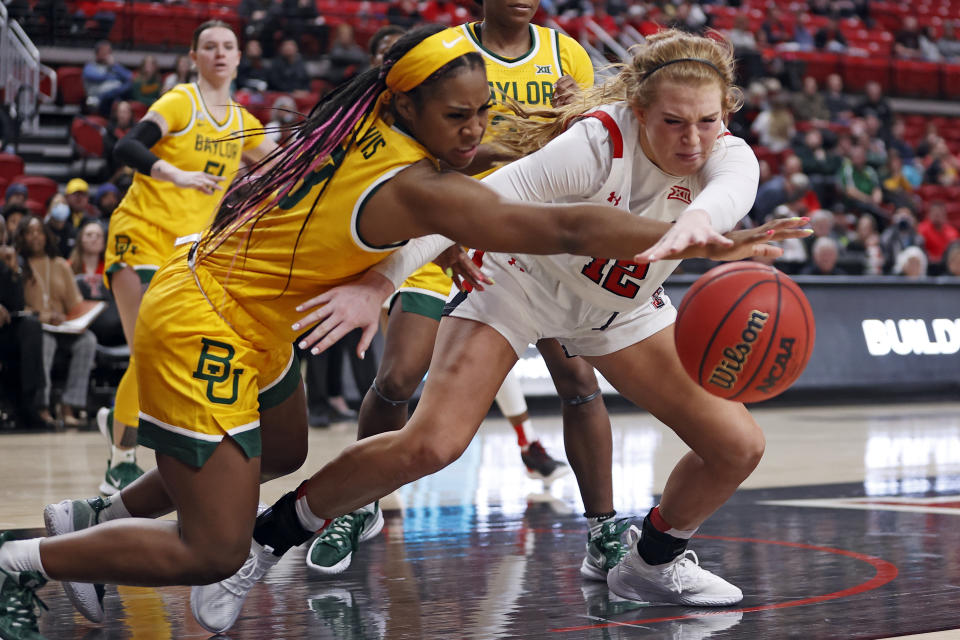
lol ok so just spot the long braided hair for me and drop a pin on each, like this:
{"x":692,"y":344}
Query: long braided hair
{"x":337,"y":120}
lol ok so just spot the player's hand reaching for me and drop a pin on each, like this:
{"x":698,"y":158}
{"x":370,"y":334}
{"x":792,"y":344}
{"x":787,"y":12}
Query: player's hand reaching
{"x":464,"y":272}
{"x":565,"y":89}
{"x":735,"y":245}
{"x":343,"y":309}
{"x":692,"y":229}
{"x":199,"y":180}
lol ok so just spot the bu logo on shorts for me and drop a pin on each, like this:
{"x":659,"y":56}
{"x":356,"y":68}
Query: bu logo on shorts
{"x":214,"y":367}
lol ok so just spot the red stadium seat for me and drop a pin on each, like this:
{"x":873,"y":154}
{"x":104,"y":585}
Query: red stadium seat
{"x":88,"y":133}
{"x":857,"y":72}
{"x":39,"y":188}
{"x":916,"y":79}
{"x":950,"y":81}
{"x":70,"y":85}
{"x":816,"y":63}
{"x":138,"y":108}
{"x":11,"y":166}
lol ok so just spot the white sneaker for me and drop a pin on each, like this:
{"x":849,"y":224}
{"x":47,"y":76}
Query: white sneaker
{"x":681,"y":581}
{"x":75,"y":515}
{"x":217,"y":606}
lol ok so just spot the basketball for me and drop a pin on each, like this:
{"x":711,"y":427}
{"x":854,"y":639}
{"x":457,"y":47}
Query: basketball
{"x":744,"y":331}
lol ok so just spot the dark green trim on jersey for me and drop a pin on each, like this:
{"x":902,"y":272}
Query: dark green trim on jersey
{"x":145,"y":275}
{"x":556,"y":44}
{"x":473,"y":30}
{"x":278,"y":393}
{"x":363,"y":203}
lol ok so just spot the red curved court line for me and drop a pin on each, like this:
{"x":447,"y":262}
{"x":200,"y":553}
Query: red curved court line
{"x":886,"y":572}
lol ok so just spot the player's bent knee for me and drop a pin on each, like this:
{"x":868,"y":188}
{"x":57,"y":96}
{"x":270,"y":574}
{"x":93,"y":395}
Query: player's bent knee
{"x":397,"y":386}
{"x":214,"y":565}
{"x":430,"y":456}
{"x":742,"y":457}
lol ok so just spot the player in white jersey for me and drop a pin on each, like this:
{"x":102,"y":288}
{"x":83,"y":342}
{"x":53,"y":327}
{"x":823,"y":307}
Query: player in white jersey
{"x":679,"y":89}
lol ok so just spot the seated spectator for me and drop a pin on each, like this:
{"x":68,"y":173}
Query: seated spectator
{"x":928,"y":45}
{"x":824,"y":225}
{"x":774,"y":126}
{"x":104,"y":80}
{"x":301,"y":18}
{"x":51,"y":292}
{"x":830,"y":38}
{"x":346,"y":58}
{"x":58,"y":221}
{"x":121,"y":121}
{"x":262,"y":19}
{"x":943,"y":167}
{"x":823,"y":259}
{"x":87,"y":264}
{"x":948,"y":45}
{"x":106,"y":200}
{"x":901,"y":233}
{"x":864,"y":247}
{"x":802,"y":37}
{"x":16,"y":194}
{"x":860,"y":185}
{"x":895,"y":140}
{"x":794,"y":251}
{"x":253,"y":72}
{"x":381,"y":41}
{"x":937,"y":234}
{"x":182,"y":73}
{"x":405,"y":14}
{"x":809,"y":105}
{"x":841,"y":110}
{"x":147,"y":84}
{"x":866,"y":132}
{"x":906,"y":41}
{"x":21,"y":343}
{"x":78,"y":197}
{"x":951,"y":260}
{"x":13,"y":213}
{"x":897,"y":186}
{"x":912,"y":263}
{"x":288,"y":73}
{"x":780,"y":189}
{"x":284,"y":115}
{"x":749,"y":61}
{"x":774,"y":27}
{"x":875,"y":103}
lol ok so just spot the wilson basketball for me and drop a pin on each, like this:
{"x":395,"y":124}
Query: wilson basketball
{"x":744,"y":331}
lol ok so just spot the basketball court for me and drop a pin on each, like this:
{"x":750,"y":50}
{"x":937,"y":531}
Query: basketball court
{"x":850,"y":528}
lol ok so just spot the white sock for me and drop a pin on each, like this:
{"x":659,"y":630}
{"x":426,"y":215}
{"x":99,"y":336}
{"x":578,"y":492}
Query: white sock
{"x":307,"y":519}
{"x":114,"y":510}
{"x":22,"y":555}
{"x":118,"y":455}
{"x":596,"y":523}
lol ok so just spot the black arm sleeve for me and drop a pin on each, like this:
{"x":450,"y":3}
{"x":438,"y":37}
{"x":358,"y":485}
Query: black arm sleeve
{"x":134,"y":148}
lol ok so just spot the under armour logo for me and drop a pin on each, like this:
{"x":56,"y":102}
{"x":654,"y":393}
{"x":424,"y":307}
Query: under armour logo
{"x":450,"y":44}
{"x":679,"y":193}
{"x":614,"y":198}
{"x":513,"y":263}
{"x":543,"y":68}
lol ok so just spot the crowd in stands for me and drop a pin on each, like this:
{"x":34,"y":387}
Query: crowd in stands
{"x":880,"y":187}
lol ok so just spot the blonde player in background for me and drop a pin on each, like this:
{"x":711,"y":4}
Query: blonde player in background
{"x":539,"y":68}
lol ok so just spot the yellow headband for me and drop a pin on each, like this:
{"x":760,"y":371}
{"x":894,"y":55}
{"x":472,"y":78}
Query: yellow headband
{"x":419,"y":63}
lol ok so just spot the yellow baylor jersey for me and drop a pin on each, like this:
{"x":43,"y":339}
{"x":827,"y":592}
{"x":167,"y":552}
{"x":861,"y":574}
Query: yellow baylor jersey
{"x":196,"y":142}
{"x":292,"y":254}
{"x":529,"y":79}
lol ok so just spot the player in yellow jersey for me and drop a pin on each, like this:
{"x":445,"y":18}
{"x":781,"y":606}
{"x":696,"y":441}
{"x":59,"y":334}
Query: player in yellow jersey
{"x":360,"y":178}
{"x":538,"y":68}
{"x":186,"y":150}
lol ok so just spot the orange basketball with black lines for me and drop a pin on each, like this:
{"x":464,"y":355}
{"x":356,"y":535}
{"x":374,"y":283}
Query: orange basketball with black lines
{"x":744,"y":331}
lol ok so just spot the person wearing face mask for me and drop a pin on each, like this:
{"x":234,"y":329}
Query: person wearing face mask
{"x":58,"y":221}
{"x":901,"y":233}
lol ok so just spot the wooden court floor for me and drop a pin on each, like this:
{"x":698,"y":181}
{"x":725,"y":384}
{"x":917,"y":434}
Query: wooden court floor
{"x":850,"y":528}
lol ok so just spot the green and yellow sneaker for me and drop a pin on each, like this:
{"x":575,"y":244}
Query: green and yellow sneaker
{"x":122,"y":472}
{"x":332,"y":550}
{"x":19,"y":602}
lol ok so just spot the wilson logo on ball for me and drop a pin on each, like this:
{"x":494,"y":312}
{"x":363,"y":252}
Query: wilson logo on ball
{"x":735,"y":358}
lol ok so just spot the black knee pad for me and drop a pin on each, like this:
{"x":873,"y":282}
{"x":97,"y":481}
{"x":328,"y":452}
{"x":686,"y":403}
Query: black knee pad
{"x":279,"y":527}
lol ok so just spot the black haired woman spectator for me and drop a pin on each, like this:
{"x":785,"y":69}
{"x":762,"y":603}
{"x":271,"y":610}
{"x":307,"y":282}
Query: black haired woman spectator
{"x":51,"y":292}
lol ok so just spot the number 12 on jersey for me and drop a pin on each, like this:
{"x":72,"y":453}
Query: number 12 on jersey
{"x":617,"y":278}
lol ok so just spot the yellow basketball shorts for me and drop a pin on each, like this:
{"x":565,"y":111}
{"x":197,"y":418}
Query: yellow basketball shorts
{"x":134,"y":242}
{"x":425,"y":292}
{"x":203,"y":376}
